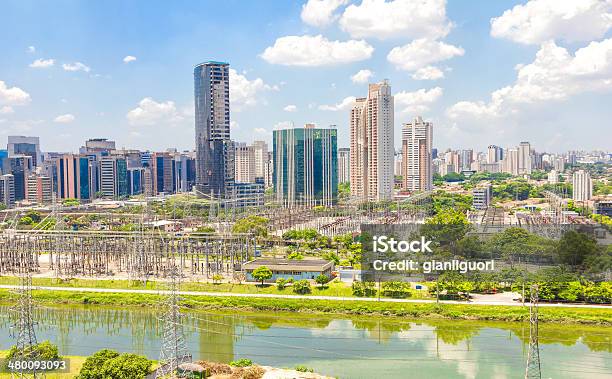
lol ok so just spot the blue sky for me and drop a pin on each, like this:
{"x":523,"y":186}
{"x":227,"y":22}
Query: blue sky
{"x":64,"y":75}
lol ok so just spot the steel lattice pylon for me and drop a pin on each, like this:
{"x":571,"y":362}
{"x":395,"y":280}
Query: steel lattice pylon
{"x":174,"y":349}
{"x":533,"y":355}
{"x":23,"y":327}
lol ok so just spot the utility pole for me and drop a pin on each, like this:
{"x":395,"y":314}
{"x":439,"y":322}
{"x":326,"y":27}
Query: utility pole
{"x":23,"y":327}
{"x":174,"y":348}
{"x":532,"y":370}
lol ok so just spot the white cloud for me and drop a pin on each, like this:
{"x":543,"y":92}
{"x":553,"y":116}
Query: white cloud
{"x":42,"y":63}
{"x":554,"y":75}
{"x":290,"y":108}
{"x":150,"y":112}
{"x":64,"y":119}
{"x":399,"y":18}
{"x":362,"y":76}
{"x":421,"y":53}
{"x":281,"y":125}
{"x":245,"y":92}
{"x":538,"y":21}
{"x":428,"y":73}
{"x":315,"y":51}
{"x":260,"y":130}
{"x":418,"y":101}
{"x":31,"y":49}
{"x":346,"y":103}
{"x":76,"y":66}
{"x":320,"y":13}
{"x":129,"y":58}
{"x":6,"y":110}
{"x":13,"y":95}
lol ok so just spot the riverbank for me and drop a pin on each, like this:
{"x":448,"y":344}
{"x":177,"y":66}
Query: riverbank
{"x":429,"y":310}
{"x":75,"y":366}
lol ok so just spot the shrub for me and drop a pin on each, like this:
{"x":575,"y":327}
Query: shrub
{"x":396,"y":289}
{"x":91,"y":366}
{"x":322,"y":280}
{"x":109,"y":364}
{"x":242,"y":362}
{"x":295,"y":255}
{"x":281,"y":283}
{"x":301,"y":287}
{"x":302,"y":368}
{"x":364,"y":289}
{"x":42,"y":351}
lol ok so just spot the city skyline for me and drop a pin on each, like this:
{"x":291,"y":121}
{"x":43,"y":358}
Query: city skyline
{"x":54,"y":85}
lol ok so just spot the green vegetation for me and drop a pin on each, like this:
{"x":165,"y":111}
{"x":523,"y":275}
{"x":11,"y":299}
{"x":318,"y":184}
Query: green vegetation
{"x":71,"y":202}
{"x":242,"y":362}
{"x":109,"y":364}
{"x":355,"y":307}
{"x":443,"y":200}
{"x":301,"y":287}
{"x":256,"y":225}
{"x":262,"y":274}
{"x":322,"y":280}
{"x":44,"y":351}
{"x":301,"y":368}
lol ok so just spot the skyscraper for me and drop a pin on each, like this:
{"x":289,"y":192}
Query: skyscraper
{"x":494,"y":154}
{"x":344,"y":165}
{"x":511,"y":165}
{"x":416,"y":153}
{"x":583,"y":186}
{"x":524,"y":158}
{"x":372,"y":150}
{"x":22,"y":145}
{"x":261,"y":158}
{"x":245,"y":163}
{"x":305,"y":166}
{"x":214,"y":150}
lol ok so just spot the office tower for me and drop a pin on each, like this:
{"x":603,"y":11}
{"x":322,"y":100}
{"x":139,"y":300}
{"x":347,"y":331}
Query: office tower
{"x":102,"y":146}
{"x":74,"y":177}
{"x":511,"y":161}
{"x":20,"y":166}
{"x":135,"y":180}
{"x":434,"y":153}
{"x":269,"y":170}
{"x":553,"y":177}
{"x":7,"y":190}
{"x":245,"y":163}
{"x":494,"y":154}
{"x":183,"y":172}
{"x":344,"y":164}
{"x":39,"y":189}
{"x":305,"y":166}
{"x":372,"y":150}
{"x":161,"y":170}
{"x":583,"y":186}
{"x":466,"y":157}
{"x":261,"y":157}
{"x":114,"y":180}
{"x":453,"y":160}
{"x":214,"y":150}
{"x":22,"y":145}
{"x":417,"y":138}
{"x":148,"y":181}
{"x":481,"y":197}
{"x":559,"y":164}
{"x":524,"y":158}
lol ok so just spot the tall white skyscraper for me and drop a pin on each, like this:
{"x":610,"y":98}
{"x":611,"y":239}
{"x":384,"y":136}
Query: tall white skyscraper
{"x":261,"y":157}
{"x":416,"y":153}
{"x":344,"y":165}
{"x":583,"y":186}
{"x":494,"y":154}
{"x":372,"y":151}
{"x":524,"y":158}
{"x":511,"y":158}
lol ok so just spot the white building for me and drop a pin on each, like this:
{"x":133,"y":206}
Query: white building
{"x":416,"y":152}
{"x":344,"y":165}
{"x":245,"y":163}
{"x":553,"y":177}
{"x":261,"y":158}
{"x":510,"y":161}
{"x":372,"y":150}
{"x":524,"y":158}
{"x":583,"y":186}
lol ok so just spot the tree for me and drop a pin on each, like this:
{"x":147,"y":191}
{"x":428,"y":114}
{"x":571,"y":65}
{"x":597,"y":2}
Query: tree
{"x":93,"y":363}
{"x":281,"y":283}
{"x":126,"y":366}
{"x":262,"y":273}
{"x":43,"y":351}
{"x":205,"y":229}
{"x":295,"y":255}
{"x":301,"y":287}
{"x":217,"y":278}
{"x":574,"y":247}
{"x":256,"y":225}
{"x":322,"y":280}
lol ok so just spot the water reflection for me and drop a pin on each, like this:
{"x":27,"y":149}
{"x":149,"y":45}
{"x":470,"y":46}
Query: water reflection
{"x":346,"y":347}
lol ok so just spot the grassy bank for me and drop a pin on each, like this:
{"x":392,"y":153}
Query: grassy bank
{"x":337,"y":289}
{"x":410,"y":310}
{"x":75,"y":367}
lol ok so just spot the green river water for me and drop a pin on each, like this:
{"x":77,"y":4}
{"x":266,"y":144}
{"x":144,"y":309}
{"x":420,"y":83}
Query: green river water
{"x":352,"y":347}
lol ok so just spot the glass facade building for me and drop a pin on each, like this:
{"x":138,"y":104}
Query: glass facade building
{"x":305,"y":166}
{"x":214,"y":163}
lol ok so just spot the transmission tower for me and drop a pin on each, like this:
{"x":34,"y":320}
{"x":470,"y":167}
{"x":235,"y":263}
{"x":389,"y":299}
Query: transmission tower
{"x":533,"y":355}
{"x":174,"y":348}
{"x":23,"y":326}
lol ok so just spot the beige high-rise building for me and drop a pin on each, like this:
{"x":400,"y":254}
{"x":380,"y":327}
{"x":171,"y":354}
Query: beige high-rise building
{"x":524,"y":158}
{"x":510,"y":162}
{"x":261,"y":157}
{"x":416,"y":154}
{"x":582,"y":186}
{"x":245,"y":163}
{"x":372,"y":150}
{"x":344,"y":164}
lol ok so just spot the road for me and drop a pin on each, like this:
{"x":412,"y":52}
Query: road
{"x":504,"y":299}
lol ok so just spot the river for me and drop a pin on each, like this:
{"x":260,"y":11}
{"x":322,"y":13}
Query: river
{"x":351,"y":347}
